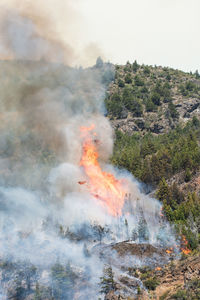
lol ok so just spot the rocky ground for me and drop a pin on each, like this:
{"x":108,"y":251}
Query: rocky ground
{"x":163,"y":282}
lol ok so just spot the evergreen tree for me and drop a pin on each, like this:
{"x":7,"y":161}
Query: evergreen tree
{"x":107,"y":283}
{"x":135,"y":66}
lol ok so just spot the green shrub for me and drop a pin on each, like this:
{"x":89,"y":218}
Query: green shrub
{"x":151,"y":283}
{"x":138,"y":81}
{"x":190,"y":86}
{"x":173,"y":111}
{"x":188,"y":175}
{"x":180,"y":295}
{"x":121,"y":83}
{"x":155,"y":98}
{"x":147,"y":70}
{"x":114,"y":105}
{"x":150,"y":106}
{"x":128,"y":78}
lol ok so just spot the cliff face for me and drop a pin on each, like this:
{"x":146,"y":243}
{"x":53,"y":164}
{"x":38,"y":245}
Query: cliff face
{"x":152,"y":99}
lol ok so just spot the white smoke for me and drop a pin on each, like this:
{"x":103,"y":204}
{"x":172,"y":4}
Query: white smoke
{"x":45,"y":214}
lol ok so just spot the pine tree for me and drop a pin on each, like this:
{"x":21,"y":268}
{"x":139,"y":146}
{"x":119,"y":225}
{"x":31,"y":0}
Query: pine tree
{"x":164,"y":192}
{"x":107,"y":283}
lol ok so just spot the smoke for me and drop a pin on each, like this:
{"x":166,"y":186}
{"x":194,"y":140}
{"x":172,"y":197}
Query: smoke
{"x":46,"y":215}
{"x":52,"y":31}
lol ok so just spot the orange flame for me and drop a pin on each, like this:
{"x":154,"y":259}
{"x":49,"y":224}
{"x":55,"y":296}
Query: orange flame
{"x":170,"y":250}
{"x":102,"y":185}
{"x":184,"y":247}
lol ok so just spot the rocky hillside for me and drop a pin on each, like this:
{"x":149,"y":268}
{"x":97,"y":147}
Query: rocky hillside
{"x":179,"y":279}
{"x":152,"y":99}
{"x":155,"y":112}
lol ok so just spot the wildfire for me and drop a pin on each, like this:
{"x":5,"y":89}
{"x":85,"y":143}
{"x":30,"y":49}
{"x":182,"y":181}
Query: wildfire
{"x":184,"y":247}
{"x":102,"y":185}
{"x":170,"y":250}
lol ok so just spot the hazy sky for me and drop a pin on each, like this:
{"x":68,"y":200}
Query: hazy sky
{"x":161,"y":32}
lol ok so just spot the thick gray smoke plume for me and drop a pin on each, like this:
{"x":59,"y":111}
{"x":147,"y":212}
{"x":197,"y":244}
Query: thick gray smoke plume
{"x":46,"y":216}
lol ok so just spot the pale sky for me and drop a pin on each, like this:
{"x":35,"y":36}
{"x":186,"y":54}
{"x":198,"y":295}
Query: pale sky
{"x":161,"y":32}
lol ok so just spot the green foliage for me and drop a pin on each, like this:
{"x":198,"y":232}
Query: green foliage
{"x":183,"y":211}
{"x":150,"y":87}
{"x":138,"y":81}
{"x":151,"y":283}
{"x":155,"y":98}
{"x":180,"y":295}
{"x":63,"y":279}
{"x":191,"y":291}
{"x":121,"y":83}
{"x":114,"y":105}
{"x":152,"y":157}
{"x":135,"y":66}
{"x":168,"y":77}
{"x":131,"y":102}
{"x":150,"y":106}
{"x":195,"y":121}
{"x":147,"y":70}
{"x":107,"y":283}
{"x":190,"y":86}
{"x":128,"y":78}
{"x":188,"y":175}
{"x":172,"y":110}
{"x":183,"y":90}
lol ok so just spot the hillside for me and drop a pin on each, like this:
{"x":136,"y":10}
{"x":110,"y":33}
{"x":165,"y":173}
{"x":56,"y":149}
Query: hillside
{"x":155,"y":113}
{"x":152,"y":99}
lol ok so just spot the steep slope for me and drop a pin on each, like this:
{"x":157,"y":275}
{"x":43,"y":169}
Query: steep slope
{"x":155,"y":112}
{"x":152,"y":99}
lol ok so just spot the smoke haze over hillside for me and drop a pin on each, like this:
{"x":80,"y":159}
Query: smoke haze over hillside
{"x":153,"y":32}
{"x":49,"y":211}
